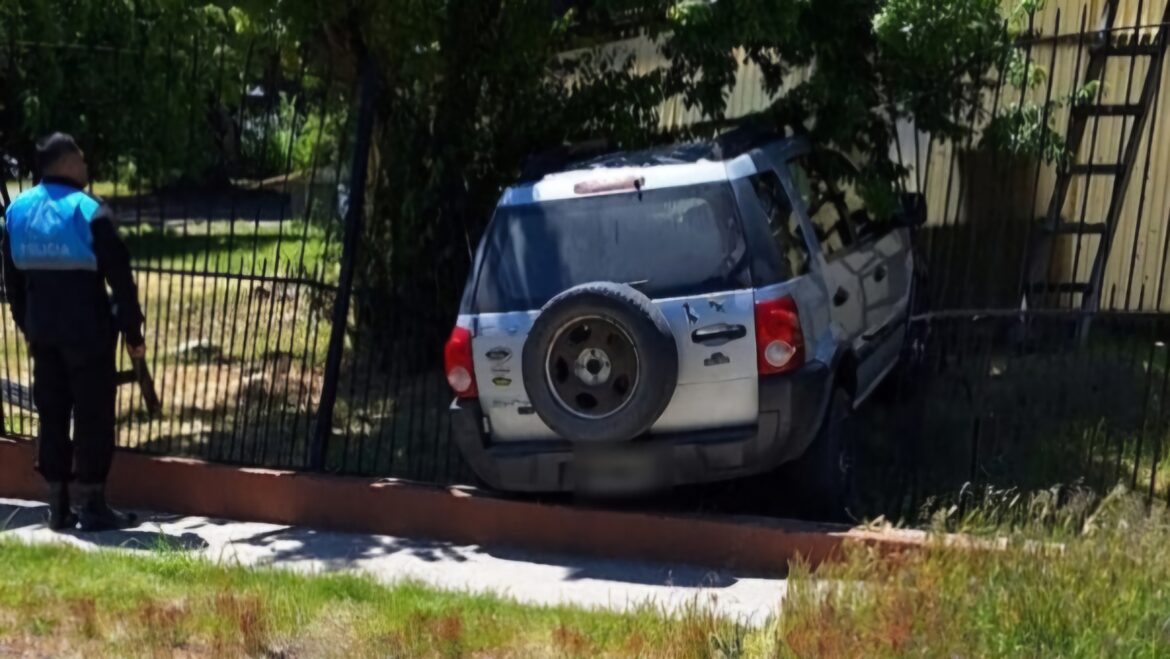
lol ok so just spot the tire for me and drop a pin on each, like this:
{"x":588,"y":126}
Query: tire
{"x":823,"y":480}
{"x":652,"y":378}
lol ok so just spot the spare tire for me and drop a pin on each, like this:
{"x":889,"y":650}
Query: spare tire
{"x":600,"y":363}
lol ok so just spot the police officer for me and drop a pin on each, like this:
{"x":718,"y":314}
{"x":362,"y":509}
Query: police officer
{"x":60,"y":251}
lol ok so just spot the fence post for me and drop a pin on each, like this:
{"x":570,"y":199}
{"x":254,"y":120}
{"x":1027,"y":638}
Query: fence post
{"x":349,"y":247}
{"x":5,"y":202}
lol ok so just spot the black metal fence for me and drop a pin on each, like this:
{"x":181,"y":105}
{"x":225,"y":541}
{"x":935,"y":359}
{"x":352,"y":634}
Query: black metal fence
{"x":998,"y":401}
{"x":244,"y":228}
{"x":246,"y":267}
{"x":1021,"y":209}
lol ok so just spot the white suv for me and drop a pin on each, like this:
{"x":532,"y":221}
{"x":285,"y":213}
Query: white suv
{"x":684,"y":315}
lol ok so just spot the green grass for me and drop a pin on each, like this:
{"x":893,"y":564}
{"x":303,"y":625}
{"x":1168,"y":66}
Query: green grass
{"x":1102,"y":591}
{"x":58,"y":600}
{"x":1005,"y":419}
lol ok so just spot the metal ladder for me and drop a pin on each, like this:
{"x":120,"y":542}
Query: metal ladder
{"x":1040,"y":290}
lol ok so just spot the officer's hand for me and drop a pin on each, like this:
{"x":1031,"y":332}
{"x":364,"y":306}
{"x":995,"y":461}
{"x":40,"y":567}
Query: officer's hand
{"x":136,"y":352}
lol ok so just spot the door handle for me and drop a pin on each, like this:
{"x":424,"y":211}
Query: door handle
{"x":840,"y":297}
{"x":879,"y":275}
{"x":718,"y":334}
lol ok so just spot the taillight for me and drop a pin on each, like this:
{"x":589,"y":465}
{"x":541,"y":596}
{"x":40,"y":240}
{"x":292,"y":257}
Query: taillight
{"x":779,"y":341}
{"x":459,"y":365}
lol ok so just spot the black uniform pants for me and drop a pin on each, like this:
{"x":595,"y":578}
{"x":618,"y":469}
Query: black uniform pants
{"x":75,"y":382}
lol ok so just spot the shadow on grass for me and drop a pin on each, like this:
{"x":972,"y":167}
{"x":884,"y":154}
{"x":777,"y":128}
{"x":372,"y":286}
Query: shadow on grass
{"x":392,"y":427}
{"x":997,"y":412}
{"x":200,"y":249}
{"x":224,"y":204}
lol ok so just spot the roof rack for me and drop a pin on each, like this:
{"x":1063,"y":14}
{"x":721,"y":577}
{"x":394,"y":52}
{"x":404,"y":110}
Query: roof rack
{"x":597,"y":154}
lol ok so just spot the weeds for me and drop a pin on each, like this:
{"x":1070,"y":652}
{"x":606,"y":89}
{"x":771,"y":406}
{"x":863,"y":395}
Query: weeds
{"x":1101,"y":592}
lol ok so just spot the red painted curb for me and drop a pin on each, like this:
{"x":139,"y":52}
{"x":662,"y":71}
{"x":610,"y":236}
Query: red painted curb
{"x":357,"y":505}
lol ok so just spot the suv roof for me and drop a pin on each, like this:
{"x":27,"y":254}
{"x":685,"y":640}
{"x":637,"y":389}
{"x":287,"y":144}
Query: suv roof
{"x":673,"y":165}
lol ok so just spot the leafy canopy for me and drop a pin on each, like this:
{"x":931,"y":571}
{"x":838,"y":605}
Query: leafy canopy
{"x":470,"y":88}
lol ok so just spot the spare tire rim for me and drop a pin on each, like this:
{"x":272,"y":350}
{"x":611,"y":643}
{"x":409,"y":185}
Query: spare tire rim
{"x":592,"y":367}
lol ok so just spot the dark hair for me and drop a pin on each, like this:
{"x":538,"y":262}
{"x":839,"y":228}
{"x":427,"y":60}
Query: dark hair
{"x":53,"y":148}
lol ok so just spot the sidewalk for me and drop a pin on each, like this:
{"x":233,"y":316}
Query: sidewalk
{"x":527,"y":577}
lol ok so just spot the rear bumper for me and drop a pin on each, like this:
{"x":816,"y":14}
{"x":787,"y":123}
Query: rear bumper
{"x":791,"y":408}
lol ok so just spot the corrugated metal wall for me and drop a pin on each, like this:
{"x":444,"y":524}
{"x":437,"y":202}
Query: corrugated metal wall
{"x":1136,"y":276}
{"x":747,"y":97}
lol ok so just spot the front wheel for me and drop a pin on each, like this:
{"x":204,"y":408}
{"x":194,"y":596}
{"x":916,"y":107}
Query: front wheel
{"x":823,"y":480}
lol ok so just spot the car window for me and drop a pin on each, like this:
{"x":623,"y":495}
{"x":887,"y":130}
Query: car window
{"x":783,"y":223}
{"x":828,"y":206}
{"x":668,"y":242}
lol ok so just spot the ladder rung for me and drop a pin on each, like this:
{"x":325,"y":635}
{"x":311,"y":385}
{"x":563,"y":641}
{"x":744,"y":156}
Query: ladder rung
{"x":1063,"y":287}
{"x":1109,"y":110}
{"x":1067,"y":228}
{"x":1096,"y":168}
{"x":1132,"y":50}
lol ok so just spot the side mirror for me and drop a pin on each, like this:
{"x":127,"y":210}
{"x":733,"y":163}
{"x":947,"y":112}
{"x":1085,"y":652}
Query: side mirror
{"x":913,"y":209}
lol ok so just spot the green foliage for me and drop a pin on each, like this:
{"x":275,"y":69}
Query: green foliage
{"x":1022,"y":73}
{"x":471,"y":91}
{"x":134,"y":103}
{"x":1087,"y":92}
{"x":844,"y":71}
{"x":934,"y":57}
{"x":286,"y":140}
{"x":1025,"y":130}
{"x":160,"y":91}
{"x":207,"y":92}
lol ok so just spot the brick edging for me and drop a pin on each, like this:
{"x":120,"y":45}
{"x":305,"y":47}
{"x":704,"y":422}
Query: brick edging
{"x":358,"y":505}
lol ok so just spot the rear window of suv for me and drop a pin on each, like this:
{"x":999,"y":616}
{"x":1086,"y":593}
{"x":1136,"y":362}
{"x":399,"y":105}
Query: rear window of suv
{"x":668,"y":242}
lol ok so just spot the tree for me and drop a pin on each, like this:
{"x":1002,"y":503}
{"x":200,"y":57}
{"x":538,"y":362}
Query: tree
{"x":158,"y":91}
{"x":869,"y":64}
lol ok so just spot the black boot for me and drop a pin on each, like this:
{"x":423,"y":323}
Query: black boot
{"x":96,"y":515}
{"x":61,"y":516}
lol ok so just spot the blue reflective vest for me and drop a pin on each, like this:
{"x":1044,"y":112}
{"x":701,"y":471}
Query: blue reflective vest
{"x":48,"y":228}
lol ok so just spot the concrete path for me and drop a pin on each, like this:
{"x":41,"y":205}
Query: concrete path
{"x":526,"y":577}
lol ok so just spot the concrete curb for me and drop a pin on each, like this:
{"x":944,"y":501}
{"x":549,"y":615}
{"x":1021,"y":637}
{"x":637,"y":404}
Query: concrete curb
{"x":357,"y":505}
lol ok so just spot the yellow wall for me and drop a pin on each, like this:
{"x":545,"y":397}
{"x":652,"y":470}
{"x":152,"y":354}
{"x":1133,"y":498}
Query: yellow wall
{"x":1141,"y":235}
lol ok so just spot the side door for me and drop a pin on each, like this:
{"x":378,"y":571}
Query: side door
{"x":886,"y":271}
{"x":887,"y":287}
{"x":832,"y":242}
